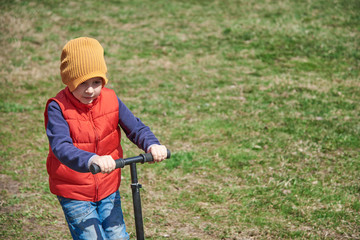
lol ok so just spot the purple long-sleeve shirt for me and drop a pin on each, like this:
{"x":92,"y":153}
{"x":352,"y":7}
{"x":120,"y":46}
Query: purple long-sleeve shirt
{"x":62,"y":145}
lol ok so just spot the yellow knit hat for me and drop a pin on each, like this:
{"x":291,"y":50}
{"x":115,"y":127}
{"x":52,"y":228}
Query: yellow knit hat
{"x":82,"y":59}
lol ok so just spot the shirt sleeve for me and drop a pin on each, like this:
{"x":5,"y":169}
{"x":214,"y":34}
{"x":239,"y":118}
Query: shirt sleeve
{"x":61,"y":144}
{"x":135,"y":130}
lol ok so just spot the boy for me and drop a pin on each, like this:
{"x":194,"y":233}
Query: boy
{"x":82,"y":125}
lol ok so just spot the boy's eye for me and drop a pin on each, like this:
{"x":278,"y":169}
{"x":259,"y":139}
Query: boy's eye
{"x":97,"y":82}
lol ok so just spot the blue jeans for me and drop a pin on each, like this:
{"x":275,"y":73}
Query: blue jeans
{"x":95,"y":220}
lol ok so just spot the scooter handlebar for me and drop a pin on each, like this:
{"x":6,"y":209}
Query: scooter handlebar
{"x":121,"y":163}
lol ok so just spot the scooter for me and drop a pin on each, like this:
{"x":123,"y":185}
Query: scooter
{"x":135,"y":186}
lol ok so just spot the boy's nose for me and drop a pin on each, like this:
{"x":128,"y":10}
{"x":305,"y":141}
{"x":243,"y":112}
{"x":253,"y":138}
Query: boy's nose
{"x":89,"y":90}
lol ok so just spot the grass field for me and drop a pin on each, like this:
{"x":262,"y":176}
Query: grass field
{"x":257,"y":100}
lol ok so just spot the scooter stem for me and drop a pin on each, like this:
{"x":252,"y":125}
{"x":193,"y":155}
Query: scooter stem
{"x":135,"y":187}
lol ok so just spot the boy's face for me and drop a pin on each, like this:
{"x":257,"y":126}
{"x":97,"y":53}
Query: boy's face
{"x":89,"y":90}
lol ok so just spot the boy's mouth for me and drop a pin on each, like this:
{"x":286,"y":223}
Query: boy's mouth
{"x":88,"y":99}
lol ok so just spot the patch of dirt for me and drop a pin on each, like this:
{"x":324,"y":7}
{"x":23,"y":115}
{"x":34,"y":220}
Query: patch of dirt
{"x":8,"y":185}
{"x":32,"y":222}
{"x":8,"y":188}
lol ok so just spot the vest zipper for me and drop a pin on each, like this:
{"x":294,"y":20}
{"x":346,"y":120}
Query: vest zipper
{"x":96,"y":188}
{"x":96,"y":143}
{"x":95,"y":132}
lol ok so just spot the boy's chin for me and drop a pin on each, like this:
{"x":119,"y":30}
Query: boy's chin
{"x":85,"y":101}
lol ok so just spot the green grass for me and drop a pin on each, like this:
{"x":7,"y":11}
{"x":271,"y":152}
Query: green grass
{"x":258,"y":101}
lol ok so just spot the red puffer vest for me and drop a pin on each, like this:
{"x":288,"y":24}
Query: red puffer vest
{"x":93,"y":128}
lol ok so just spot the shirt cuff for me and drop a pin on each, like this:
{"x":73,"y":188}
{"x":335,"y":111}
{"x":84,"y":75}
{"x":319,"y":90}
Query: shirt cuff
{"x":91,"y":160}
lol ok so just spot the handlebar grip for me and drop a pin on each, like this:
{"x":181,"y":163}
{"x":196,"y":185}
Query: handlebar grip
{"x":120,"y":163}
{"x":94,"y":168}
{"x":168,"y":154}
{"x":149,"y":158}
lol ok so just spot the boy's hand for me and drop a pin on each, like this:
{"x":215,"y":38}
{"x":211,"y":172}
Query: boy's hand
{"x":106,"y":163}
{"x":159,"y":152}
